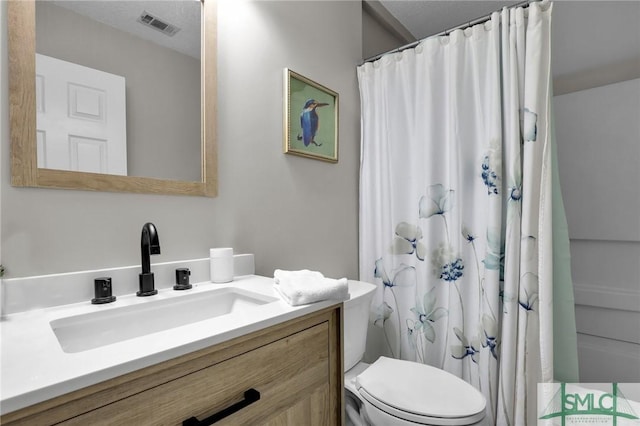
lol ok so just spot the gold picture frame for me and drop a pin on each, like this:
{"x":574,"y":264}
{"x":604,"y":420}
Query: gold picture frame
{"x":310,"y":118}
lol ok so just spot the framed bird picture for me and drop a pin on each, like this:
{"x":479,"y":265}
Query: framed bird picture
{"x":310,"y":118}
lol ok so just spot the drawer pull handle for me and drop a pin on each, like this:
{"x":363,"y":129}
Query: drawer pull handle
{"x":250,"y":396}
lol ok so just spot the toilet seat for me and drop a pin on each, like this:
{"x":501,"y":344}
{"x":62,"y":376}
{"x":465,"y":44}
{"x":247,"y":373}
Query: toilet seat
{"x":420,"y":393}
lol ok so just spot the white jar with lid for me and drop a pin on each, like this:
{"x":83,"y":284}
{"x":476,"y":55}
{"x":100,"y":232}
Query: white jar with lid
{"x":221,"y":264}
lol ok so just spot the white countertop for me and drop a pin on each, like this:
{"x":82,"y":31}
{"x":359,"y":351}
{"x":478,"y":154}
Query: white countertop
{"x":34,"y":367}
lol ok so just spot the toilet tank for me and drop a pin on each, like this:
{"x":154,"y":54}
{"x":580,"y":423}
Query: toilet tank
{"x":356,"y":321}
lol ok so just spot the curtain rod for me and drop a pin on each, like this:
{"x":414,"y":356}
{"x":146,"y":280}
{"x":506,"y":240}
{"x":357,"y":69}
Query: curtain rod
{"x":476,"y":21}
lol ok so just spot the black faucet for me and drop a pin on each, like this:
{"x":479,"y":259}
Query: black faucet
{"x":149,"y":244}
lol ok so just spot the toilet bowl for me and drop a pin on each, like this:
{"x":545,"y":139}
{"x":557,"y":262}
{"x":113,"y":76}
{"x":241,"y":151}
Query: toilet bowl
{"x":392,"y":392}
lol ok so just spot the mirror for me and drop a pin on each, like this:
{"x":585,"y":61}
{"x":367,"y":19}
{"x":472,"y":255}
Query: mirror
{"x":27,"y":149}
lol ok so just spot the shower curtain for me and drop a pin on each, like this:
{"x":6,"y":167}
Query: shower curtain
{"x":456,"y":213}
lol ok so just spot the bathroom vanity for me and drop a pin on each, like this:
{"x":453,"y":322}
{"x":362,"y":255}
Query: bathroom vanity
{"x":290,"y":356}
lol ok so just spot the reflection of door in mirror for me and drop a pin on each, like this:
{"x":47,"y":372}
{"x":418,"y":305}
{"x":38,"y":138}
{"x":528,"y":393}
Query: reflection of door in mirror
{"x":162,"y":72}
{"x":81,"y":120}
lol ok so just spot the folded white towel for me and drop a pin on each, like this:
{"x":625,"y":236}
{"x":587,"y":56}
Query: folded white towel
{"x":302,"y":287}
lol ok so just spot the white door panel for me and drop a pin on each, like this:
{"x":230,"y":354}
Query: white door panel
{"x":81,"y":118}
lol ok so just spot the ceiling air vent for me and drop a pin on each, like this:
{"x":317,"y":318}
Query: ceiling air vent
{"x":159,"y":24}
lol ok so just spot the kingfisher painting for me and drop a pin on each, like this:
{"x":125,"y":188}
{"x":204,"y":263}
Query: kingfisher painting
{"x":310,"y":122}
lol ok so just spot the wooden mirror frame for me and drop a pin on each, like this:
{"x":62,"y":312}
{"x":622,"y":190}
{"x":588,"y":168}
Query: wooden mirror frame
{"x":22,"y":117}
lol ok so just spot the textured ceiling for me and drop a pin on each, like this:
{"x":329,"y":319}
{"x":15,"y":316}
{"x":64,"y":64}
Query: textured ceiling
{"x":585,"y":34}
{"x":122,"y":15}
{"x":591,"y":34}
{"x":425,"y":18}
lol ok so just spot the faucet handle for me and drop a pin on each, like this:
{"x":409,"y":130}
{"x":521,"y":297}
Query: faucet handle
{"x":182,"y":279}
{"x":102,"y":289}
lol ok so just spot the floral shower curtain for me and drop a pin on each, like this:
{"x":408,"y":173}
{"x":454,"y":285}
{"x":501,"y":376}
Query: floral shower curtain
{"x":455,"y":206}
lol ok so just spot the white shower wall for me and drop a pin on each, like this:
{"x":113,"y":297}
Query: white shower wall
{"x":598,"y":134}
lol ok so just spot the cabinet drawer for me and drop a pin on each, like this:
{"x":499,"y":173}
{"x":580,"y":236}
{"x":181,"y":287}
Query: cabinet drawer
{"x":284,"y":372}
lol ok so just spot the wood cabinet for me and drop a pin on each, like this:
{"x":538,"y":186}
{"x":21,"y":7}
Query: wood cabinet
{"x":296,"y":367}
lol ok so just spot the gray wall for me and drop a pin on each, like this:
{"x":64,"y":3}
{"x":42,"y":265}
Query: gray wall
{"x":162,"y":89}
{"x":292,"y":212}
{"x":377,"y":36}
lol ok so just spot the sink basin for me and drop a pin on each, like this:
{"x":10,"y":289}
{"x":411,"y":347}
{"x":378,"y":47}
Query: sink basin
{"x":92,"y":330}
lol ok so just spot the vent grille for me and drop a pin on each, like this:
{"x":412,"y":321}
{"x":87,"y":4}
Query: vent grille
{"x":157,"y":23}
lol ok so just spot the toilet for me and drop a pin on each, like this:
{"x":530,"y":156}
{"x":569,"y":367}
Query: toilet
{"x":392,"y":392}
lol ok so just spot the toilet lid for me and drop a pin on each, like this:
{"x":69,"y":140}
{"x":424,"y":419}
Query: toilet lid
{"x":409,"y":390}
